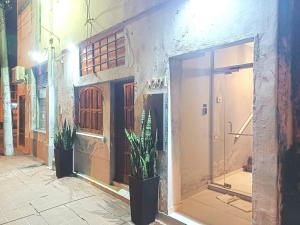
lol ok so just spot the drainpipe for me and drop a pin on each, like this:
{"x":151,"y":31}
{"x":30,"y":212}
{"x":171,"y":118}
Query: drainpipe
{"x":51,"y":104}
{"x":6,"y":98}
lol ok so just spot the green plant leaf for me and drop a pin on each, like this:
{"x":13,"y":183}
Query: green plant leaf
{"x":143,"y":154}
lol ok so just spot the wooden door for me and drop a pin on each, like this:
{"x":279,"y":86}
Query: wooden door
{"x":22,"y":120}
{"x":128,"y":124}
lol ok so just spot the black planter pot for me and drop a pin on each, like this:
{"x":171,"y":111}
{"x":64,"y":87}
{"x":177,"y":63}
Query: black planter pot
{"x":63,"y":162}
{"x":143,"y":200}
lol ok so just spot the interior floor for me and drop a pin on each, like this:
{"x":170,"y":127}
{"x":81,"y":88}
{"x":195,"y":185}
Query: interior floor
{"x":239,"y":180}
{"x":206,"y":208}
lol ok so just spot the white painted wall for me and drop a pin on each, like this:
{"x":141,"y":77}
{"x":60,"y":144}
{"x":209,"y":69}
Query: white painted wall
{"x":178,"y":27}
{"x":194,"y":126}
{"x":57,"y":15}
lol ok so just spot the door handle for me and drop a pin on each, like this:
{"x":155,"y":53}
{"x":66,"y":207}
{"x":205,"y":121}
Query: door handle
{"x":230,"y":126}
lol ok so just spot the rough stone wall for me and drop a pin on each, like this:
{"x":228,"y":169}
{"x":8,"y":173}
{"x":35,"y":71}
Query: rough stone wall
{"x":173,"y":33}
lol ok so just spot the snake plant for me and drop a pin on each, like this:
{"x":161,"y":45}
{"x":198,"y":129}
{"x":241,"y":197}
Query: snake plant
{"x":143,"y":154}
{"x":64,"y":138}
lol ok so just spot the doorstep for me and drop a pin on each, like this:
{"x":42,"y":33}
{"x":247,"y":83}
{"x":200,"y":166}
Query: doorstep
{"x":121,"y":185}
{"x":117,"y":192}
{"x":121,"y":192}
{"x":219,"y":188}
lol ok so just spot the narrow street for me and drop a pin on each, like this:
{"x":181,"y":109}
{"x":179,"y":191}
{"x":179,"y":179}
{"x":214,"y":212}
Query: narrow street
{"x":31,"y":194}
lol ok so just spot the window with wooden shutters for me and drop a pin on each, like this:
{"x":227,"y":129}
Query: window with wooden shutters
{"x":103,"y":53}
{"x":91,"y":110}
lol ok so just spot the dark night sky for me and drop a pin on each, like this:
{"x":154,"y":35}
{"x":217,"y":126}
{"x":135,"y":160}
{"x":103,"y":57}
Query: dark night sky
{"x":11,"y":29}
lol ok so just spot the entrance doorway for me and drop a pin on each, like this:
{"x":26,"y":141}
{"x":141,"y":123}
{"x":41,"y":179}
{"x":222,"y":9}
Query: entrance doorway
{"x":123,"y":119}
{"x":22,"y":121}
{"x":214,"y":90}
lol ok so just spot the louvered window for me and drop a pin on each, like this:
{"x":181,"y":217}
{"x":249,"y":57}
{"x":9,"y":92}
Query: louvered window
{"x":91,"y":110}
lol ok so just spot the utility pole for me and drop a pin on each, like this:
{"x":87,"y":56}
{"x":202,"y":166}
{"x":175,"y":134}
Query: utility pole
{"x":6,"y":98}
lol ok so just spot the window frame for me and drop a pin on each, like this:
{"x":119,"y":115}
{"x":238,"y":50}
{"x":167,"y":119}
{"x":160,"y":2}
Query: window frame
{"x":102,"y":53}
{"x":41,"y":75}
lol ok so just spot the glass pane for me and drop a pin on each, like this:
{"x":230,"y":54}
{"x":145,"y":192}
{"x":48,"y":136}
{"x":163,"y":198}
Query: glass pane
{"x":121,"y":61}
{"x":96,"y":52}
{"x":111,"y":46}
{"x":112,"y":64}
{"x":97,"y":44}
{"x":232,"y":119}
{"x":111,"y":55}
{"x":104,"y":49}
{"x":235,"y":55}
{"x":103,"y":41}
{"x":103,"y":66}
{"x":90,"y":70}
{"x":103,"y":58}
{"x":120,"y":42}
{"x":121,"y":52}
{"x":97,"y":68}
{"x":97,"y":60}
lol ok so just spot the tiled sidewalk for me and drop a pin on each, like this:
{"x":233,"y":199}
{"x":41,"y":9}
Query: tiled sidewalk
{"x":30,"y":194}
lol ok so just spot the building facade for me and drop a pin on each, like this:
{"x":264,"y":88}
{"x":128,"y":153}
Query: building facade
{"x":102,"y":62}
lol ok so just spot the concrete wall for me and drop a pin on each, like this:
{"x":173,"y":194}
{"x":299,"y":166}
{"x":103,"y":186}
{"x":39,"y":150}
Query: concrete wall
{"x":173,"y":29}
{"x":66,"y":13}
{"x":181,"y":36}
{"x":189,"y":28}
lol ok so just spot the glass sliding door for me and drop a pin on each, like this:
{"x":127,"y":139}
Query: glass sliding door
{"x":232,"y":103}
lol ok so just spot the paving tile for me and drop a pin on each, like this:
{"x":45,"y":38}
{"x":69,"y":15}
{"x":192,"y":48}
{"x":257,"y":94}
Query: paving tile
{"x":10,"y":213}
{"x":98,"y":212}
{"x":31,"y":220}
{"x":61,"y":215}
{"x":30,"y":194}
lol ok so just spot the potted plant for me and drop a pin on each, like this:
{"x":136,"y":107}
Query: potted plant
{"x":144,"y":181}
{"x":63,"y":152}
